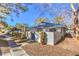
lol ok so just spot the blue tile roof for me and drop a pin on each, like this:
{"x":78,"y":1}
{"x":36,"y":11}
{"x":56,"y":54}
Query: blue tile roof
{"x":46,"y":24}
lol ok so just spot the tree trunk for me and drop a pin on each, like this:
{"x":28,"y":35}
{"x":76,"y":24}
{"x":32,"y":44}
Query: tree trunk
{"x":76,"y":18}
{"x":75,"y":21}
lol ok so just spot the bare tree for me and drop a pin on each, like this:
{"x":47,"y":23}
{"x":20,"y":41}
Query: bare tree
{"x":75,"y":12}
{"x":54,"y":11}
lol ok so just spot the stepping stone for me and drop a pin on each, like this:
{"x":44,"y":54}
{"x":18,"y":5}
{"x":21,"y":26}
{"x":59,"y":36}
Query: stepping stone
{"x":6,"y":54}
{"x":18,"y":51}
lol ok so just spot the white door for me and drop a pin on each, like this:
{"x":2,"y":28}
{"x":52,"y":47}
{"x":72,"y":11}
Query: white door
{"x":50,"y":38}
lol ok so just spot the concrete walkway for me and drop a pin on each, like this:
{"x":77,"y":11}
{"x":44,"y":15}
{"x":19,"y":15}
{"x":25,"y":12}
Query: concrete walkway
{"x":15,"y":51}
{"x":18,"y":51}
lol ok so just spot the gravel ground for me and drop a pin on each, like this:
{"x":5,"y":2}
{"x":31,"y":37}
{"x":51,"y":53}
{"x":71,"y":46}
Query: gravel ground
{"x":35,"y":49}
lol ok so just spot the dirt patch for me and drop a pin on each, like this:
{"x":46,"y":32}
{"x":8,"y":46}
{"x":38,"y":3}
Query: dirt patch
{"x":71,"y":44}
{"x":36,"y":49}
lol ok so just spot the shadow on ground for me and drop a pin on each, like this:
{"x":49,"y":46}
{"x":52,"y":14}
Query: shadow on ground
{"x":0,"y":53}
{"x":68,"y":35}
{"x":3,"y":43}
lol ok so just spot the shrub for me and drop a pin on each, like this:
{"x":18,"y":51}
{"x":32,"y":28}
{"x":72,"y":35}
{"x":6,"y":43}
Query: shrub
{"x":43,"y":38}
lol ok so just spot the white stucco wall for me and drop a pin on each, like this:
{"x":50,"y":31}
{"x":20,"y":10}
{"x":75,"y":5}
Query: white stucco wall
{"x":50,"y":38}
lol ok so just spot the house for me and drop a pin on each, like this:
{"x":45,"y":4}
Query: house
{"x":55,"y":32}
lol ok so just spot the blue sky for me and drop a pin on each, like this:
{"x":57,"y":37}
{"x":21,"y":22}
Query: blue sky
{"x":35,"y":10}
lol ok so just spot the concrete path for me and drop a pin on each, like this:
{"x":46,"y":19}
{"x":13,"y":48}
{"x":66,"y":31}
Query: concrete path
{"x":6,"y":54}
{"x":15,"y":51}
{"x":18,"y":51}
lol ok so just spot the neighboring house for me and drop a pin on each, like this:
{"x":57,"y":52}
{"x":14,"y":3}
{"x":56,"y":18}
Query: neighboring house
{"x":14,"y":29}
{"x":54,"y":31}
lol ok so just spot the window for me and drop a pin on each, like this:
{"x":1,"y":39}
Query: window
{"x":52,"y":30}
{"x":58,"y":30}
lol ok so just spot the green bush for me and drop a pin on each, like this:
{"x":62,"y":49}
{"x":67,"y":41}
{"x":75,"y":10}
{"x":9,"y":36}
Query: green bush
{"x":43,"y":38}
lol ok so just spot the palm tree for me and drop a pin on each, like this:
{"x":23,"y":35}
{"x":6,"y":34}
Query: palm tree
{"x":58,"y":19}
{"x":40,"y":20}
